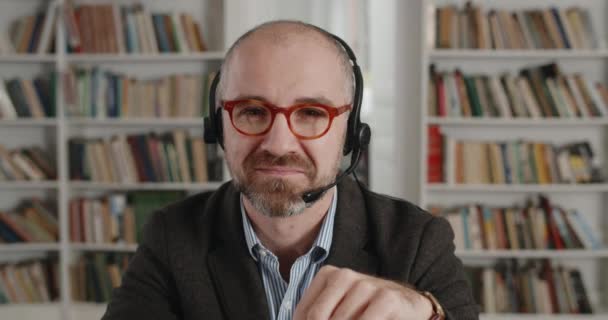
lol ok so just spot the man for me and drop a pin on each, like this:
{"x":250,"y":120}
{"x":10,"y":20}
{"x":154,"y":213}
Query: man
{"x":254,"y":249}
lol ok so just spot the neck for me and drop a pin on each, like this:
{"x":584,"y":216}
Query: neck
{"x":291,"y":237}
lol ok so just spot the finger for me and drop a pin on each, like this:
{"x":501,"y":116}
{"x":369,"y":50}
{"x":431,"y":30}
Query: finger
{"x":386,"y":305}
{"x":355,"y":301}
{"x":318,"y":283}
{"x":329,"y":298}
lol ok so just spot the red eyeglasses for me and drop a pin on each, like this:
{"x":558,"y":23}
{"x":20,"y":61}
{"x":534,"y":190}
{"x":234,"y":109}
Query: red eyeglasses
{"x":306,"y":121}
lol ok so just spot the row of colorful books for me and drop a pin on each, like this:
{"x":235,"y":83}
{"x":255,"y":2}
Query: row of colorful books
{"x":33,"y":220}
{"x":104,"y":28}
{"x":539,"y":92}
{"x":25,"y":98}
{"x":32,"y":33}
{"x":33,"y":281}
{"x":475,"y":27}
{"x":116,"y":218}
{"x":168,"y":157}
{"x":531,"y":226}
{"x":94,"y":275}
{"x":534,"y":287}
{"x":113,"y":28}
{"x":98,"y":93}
{"x":30,"y":163}
{"x":512,"y":162}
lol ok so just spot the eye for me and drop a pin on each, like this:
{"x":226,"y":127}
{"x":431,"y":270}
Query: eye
{"x":313,"y":112}
{"x":252,"y":111}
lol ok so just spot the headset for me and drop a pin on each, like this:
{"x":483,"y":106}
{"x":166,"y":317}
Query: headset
{"x":358,"y":134}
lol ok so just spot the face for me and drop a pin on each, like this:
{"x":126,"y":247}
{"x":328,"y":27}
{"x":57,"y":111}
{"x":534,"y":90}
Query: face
{"x":274,"y":170}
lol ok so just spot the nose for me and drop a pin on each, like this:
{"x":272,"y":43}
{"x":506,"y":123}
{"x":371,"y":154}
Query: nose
{"x":280,"y":140}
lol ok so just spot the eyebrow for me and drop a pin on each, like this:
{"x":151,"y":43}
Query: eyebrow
{"x":317,"y":99}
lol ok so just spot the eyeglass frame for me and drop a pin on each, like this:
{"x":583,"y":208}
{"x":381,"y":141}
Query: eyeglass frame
{"x":333,"y":112}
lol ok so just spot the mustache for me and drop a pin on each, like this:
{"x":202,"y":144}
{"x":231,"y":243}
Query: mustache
{"x":291,"y":160}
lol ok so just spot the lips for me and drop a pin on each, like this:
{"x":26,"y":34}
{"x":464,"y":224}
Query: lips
{"x":280,"y":170}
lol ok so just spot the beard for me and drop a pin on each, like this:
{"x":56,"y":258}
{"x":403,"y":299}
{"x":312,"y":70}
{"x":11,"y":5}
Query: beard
{"x":276,"y":196}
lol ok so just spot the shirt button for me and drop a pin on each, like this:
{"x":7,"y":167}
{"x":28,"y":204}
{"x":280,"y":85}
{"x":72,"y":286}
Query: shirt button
{"x":287,"y":304}
{"x":263,"y":253}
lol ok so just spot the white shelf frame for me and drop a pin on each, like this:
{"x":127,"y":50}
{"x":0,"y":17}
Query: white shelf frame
{"x":101,"y":186}
{"x":460,"y":54}
{"x":64,"y":126}
{"x":28,"y":58}
{"x":108,"y":247}
{"x":145,"y":58}
{"x":29,"y":247}
{"x":140,"y":122}
{"x":516,"y":188}
{"x":534,"y":254}
{"x":558,"y":123}
{"x":29,"y":122}
{"x":29,"y":185}
{"x":431,"y":55}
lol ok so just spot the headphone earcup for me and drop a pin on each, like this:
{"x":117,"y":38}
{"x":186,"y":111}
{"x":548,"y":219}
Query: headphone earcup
{"x":364,"y":136}
{"x":208,"y":131}
{"x":213,"y":123}
{"x":350,"y":137}
{"x":359,"y":140}
{"x":219,"y":128}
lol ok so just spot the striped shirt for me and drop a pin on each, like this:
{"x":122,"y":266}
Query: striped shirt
{"x":283,"y":297}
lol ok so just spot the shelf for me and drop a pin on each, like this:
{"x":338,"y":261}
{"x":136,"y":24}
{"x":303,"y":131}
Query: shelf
{"x":516,"y":54}
{"x":88,"y":310}
{"x":138,"y":57}
{"x":524,"y":316}
{"x":559,"y":122}
{"x":549,"y":254}
{"x":26,"y":185}
{"x":29,"y":247}
{"x":27,"y":58}
{"x":580,"y":188}
{"x":31,"y":311}
{"x":103,"y":247}
{"x":28,"y":122}
{"x":146,"y":186}
{"x":139,"y":122}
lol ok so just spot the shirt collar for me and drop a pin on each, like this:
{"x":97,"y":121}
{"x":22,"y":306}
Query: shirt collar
{"x":320,"y":248}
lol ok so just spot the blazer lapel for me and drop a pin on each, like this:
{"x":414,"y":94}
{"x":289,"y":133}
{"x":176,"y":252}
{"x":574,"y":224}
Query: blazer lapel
{"x":350,"y":247}
{"x":234,"y":273}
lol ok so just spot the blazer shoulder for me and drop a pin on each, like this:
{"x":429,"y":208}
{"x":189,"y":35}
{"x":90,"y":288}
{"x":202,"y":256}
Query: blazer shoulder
{"x":393,"y":209}
{"x":195,"y":206}
{"x":400,"y":224}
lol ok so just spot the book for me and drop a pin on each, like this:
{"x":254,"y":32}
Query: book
{"x":130,"y":28}
{"x":27,"y":281}
{"x":533,"y":287}
{"x":474,"y":27}
{"x":152,"y":157}
{"x":541,"y":91}
{"x":510,"y":162}
{"x":528,"y":226}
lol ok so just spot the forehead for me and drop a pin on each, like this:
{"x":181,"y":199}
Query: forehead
{"x":285,"y":70}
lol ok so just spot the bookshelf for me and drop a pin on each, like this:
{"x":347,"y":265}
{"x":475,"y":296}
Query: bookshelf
{"x":145,"y":58}
{"x":517,"y":122}
{"x":99,"y":186}
{"x":137,"y":122}
{"x":53,"y":135}
{"x":467,"y":54}
{"x":589,"y":199}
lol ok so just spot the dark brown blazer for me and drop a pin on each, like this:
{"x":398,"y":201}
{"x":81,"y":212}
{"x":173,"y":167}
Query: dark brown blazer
{"x":194,"y":264}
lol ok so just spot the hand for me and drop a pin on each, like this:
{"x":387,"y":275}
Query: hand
{"x":345,"y":294}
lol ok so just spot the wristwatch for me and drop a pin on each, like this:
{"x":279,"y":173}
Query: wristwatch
{"x":438,"y":313}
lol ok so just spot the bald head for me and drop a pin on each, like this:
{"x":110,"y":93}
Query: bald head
{"x":281,"y":34}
